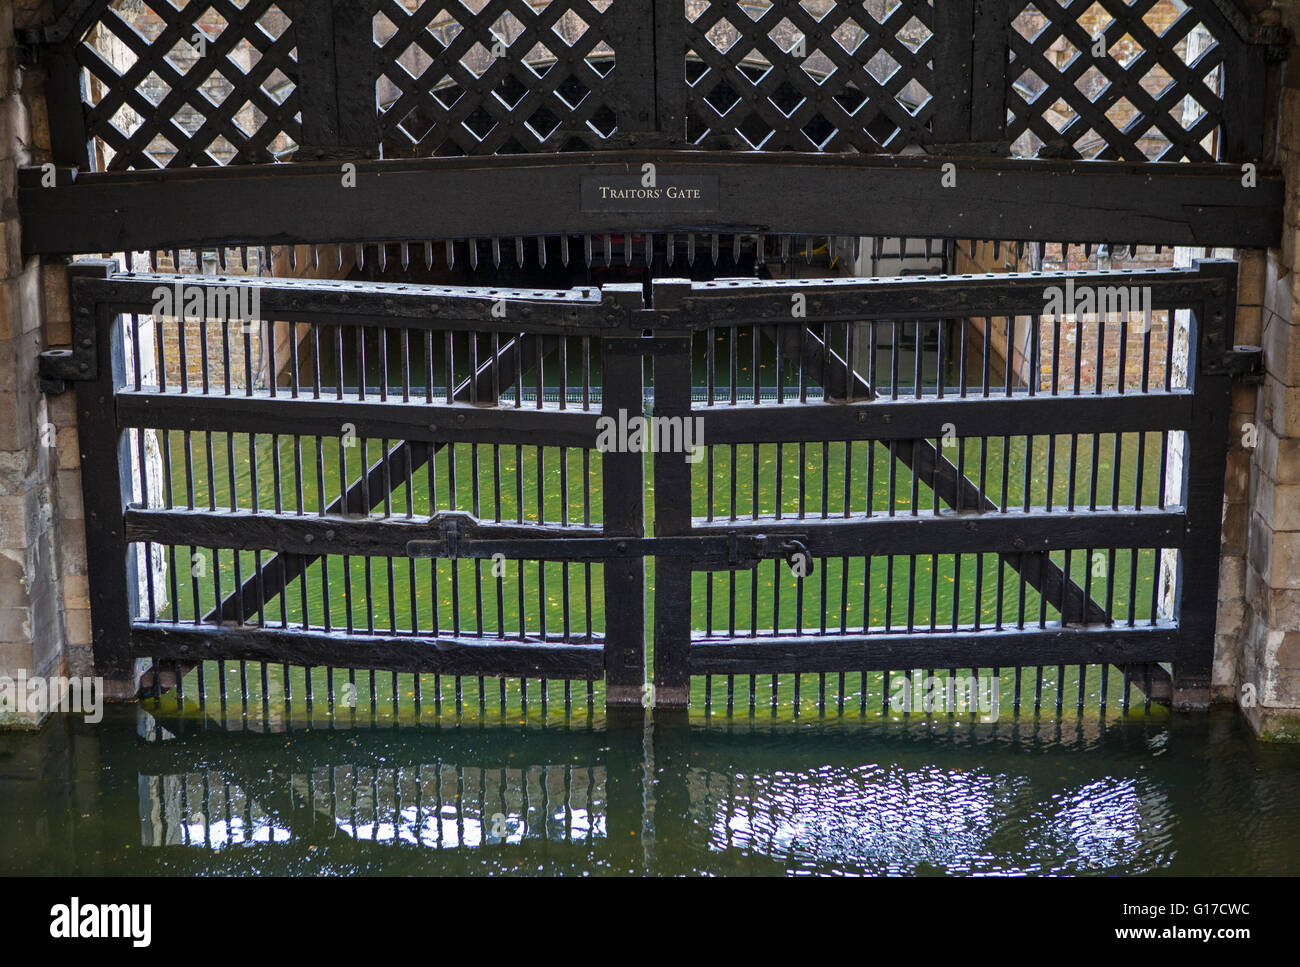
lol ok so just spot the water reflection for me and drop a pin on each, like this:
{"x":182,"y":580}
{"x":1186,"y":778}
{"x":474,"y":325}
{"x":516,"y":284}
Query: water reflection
{"x":1188,"y":794}
{"x":439,"y":805}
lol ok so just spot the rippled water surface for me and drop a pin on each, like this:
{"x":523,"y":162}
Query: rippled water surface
{"x":1191,"y":795}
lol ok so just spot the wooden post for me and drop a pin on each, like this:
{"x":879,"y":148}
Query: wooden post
{"x":672,"y":483}
{"x":1197,"y":592}
{"x":624,"y":508}
{"x":106,"y":491}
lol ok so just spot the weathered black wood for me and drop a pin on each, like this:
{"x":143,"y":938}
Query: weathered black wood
{"x":1182,"y":204}
{"x":64,"y":94}
{"x":672,"y":513}
{"x":356,"y":60}
{"x":632,"y":29}
{"x":313,"y":534}
{"x":578,"y":311}
{"x":910,"y":419}
{"x":961,"y":649}
{"x":731,"y":302}
{"x":1246,"y":85}
{"x":989,"y":69}
{"x":967,"y":532}
{"x":623,"y":483}
{"x":317,"y":77}
{"x":1196,"y":593}
{"x":71,"y":19}
{"x":954,"y":24}
{"x":668,"y":79}
{"x":414,"y":422}
{"x":399,"y":653}
{"x":106,"y":480}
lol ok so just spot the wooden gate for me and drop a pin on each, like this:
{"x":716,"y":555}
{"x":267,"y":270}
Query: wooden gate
{"x":921,"y":529}
{"x":359,"y":476}
{"x":442,"y":480}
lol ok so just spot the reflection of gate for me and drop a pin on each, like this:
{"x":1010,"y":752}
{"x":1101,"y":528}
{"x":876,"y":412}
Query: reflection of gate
{"x":539,"y":792}
{"x":417,"y":490}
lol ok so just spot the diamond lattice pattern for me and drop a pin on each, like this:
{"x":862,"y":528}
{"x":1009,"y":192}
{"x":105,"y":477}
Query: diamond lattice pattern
{"x":177,"y":84}
{"x":1155,"y":94}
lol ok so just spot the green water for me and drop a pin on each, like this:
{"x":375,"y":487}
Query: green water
{"x":581,"y":795}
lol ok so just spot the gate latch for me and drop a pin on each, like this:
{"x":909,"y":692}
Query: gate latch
{"x":797,"y":556}
{"x":463,"y":536}
{"x":453,"y":529}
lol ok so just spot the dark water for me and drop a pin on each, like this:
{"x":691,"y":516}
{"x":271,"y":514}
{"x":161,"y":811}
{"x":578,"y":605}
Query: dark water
{"x":1190,"y":795}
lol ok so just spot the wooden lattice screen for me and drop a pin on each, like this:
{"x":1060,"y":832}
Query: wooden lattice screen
{"x":175,"y":83}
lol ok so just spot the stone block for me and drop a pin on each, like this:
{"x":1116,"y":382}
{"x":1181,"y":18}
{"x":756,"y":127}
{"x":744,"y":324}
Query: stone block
{"x":76,"y":591}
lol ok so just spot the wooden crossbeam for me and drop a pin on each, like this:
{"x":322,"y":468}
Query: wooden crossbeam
{"x":515,"y":357}
{"x":1015,"y":200}
{"x":955,"y":489}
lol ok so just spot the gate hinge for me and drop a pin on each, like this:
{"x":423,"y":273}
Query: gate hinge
{"x":1244,"y":363}
{"x":56,"y":368}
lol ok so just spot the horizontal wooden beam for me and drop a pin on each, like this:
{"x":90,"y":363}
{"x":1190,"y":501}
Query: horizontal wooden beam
{"x":961,"y":649}
{"x":311,"y":534}
{"x":519,"y":195}
{"x":584,"y":310}
{"x":967,"y":533}
{"x":709,"y":545}
{"x":414,"y":421}
{"x":445,"y":654}
{"x":729,"y":302}
{"x":971,"y":417}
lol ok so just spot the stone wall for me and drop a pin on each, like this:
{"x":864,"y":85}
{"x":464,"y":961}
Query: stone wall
{"x":1264,"y":481}
{"x":44,"y":607}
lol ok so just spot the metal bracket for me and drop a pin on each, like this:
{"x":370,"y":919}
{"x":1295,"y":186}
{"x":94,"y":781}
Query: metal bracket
{"x":1245,"y":363}
{"x":58,"y":367}
{"x":464,"y":537}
